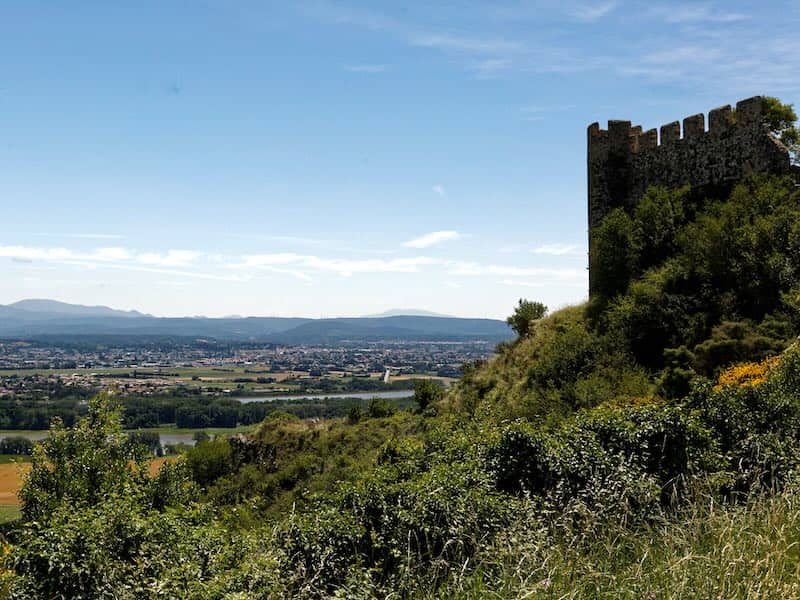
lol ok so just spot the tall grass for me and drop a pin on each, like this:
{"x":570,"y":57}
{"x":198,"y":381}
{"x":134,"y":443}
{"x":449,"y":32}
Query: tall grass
{"x":708,"y":550}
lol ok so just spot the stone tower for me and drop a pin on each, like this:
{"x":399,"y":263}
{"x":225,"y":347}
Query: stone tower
{"x":623,"y":161}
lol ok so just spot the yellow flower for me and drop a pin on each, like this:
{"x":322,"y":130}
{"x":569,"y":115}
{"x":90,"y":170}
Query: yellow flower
{"x":747,"y":374}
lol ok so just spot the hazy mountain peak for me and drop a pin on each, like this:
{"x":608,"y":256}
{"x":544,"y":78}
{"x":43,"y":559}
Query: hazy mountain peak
{"x":407,"y":312}
{"x":43,"y":305}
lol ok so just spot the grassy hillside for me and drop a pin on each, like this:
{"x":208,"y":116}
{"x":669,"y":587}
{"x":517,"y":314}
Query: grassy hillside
{"x":644,"y":445}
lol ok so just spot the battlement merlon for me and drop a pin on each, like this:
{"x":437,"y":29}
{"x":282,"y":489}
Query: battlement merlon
{"x":622,"y":136}
{"x":623,"y":161}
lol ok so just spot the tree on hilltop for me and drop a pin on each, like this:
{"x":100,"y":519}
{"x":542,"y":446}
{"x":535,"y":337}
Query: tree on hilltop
{"x":525,"y":314}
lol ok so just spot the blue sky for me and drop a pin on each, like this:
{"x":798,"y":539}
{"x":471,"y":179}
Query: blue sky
{"x":338,"y":158}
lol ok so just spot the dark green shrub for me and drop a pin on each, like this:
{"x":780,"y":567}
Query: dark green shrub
{"x":210,"y":460}
{"x":378,"y":408}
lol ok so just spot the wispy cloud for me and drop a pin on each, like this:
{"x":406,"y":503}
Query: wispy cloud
{"x":692,"y":42}
{"x":473,"y":269}
{"x":589,"y":12}
{"x":558,"y":249}
{"x":432,"y":238}
{"x":116,"y":258}
{"x":172,"y":258}
{"x":95,"y":236}
{"x":544,"y":283}
{"x":289,"y":239}
{"x":468,"y":44}
{"x":297,"y":264}
{"x":482,"y":52}
{"x":79,"y":236}
{"x":439,"y":190}
{"x":515,"y":283}
{"x":365,"y":68}
{"x":696,"y":13}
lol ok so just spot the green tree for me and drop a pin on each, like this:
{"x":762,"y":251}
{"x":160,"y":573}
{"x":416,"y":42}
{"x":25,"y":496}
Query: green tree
{"x":426,"y":392}
{"x":379,"y":408}
{"x":525,"y":314}
{"x":781,"y":119}
{"x":613,"y":254}
{"x":84,"y":464}
{"x":656,"y":222}
{"x":149,"y":439}
{"x":210,"y":460}
{"x":355,"y":414}
{"x":94,"y":523}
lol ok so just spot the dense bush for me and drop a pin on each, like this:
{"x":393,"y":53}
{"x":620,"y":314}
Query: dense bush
{"x":680,"y":266}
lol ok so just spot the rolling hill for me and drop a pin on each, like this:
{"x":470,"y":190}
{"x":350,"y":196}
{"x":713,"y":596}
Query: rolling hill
{"x":39,"y":318}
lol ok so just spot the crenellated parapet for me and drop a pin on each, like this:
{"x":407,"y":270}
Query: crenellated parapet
{"x":624,"y":160}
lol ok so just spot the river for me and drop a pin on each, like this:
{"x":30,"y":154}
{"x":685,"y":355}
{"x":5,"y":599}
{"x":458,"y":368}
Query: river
{"x":387,"y":395}
{"x":186,"y":437}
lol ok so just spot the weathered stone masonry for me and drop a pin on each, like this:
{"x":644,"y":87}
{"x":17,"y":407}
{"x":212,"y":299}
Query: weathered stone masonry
{"x":623,"y":161}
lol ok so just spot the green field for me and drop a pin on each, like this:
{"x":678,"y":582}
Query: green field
{"x":212,"y":431}
{"x":179,"y":372}
{"x":165,"y":429}
{"x":9,"y":513}
{"x":7,"y":459}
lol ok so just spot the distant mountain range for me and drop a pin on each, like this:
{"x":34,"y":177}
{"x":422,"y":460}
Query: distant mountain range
{"x":45,"y":318}
{"x":408,"y":312}
{"x":54,"y":307}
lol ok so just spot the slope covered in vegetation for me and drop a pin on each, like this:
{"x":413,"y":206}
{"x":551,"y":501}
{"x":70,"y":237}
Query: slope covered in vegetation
{"x":589,"y":458}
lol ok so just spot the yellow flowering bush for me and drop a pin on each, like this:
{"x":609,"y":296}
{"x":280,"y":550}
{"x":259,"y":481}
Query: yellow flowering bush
{"x":747,"y":374}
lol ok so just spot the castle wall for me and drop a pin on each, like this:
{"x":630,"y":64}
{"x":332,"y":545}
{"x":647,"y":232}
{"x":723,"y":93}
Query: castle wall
{"x":623,"y":161}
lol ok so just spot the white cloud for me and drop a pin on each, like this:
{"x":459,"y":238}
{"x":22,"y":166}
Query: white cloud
{"x":439,"y":190}
{"x":703,"y":42}
{"x":515,"y":283}
{"x":695,"y":13}
{"x":550,"y":274}
{"x":95,"y":236}
{"x":173,"y":258}
{"x":593,"y":12}
{"x":110,"y":257}
{"x":344,"y":267}
{"x":162,"y":271}
{"x":432,"y":238}
{"x":365,"y":68}
{"x":63,"y":254}
{"x":558,"y":249}
{"x":111,"y":254}
{"x":469,"y":45}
